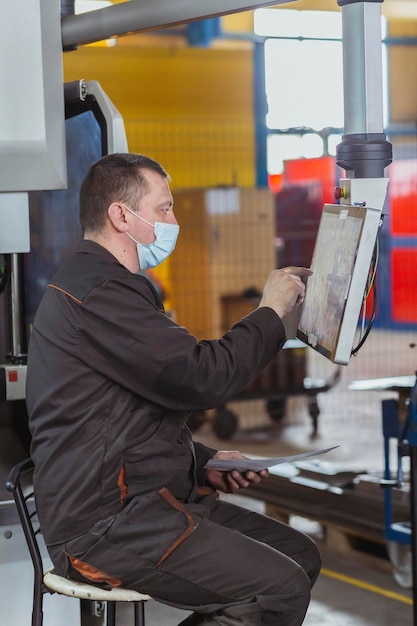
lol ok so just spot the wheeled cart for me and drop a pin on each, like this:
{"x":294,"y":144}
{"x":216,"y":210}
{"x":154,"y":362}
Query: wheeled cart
{"x":285,"y":376}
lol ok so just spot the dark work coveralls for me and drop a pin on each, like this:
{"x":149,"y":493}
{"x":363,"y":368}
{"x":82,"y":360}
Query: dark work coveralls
{"x":119,"y":483}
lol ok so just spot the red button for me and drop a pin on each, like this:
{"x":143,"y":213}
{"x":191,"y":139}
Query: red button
{"x":12,"y":376}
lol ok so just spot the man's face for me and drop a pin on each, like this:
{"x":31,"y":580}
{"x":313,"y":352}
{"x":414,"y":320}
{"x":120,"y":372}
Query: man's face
{"x":156,"y":206}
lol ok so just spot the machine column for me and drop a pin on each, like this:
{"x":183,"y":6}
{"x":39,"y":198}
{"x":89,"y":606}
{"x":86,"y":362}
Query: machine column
{"x":364,"y":151}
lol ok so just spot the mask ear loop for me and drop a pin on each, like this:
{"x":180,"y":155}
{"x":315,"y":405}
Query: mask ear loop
{"x":136,"y":215}
{"x":133,"y":239}
{"x":138,"y":243}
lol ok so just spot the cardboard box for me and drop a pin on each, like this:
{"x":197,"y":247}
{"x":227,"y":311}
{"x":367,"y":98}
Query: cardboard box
{"x":225,"y":248}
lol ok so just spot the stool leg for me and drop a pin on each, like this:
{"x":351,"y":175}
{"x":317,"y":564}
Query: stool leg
{"x":93,"y":613}
{"x":139,"y":608}
{"x":37,"y":618}
{"x":111,"y":614}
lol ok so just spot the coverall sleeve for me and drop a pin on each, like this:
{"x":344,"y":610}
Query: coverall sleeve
{"x":125,"y":336}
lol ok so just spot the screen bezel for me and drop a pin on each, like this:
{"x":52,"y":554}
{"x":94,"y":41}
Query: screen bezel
{"x":339,"y":349}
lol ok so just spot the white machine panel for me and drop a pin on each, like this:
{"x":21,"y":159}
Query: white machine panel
{"x":12,"y":382}
{"x":32,"y":137}
{"x":14,"y":223}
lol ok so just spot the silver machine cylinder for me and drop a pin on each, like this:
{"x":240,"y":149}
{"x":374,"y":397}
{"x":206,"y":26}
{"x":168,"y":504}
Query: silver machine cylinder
{"x":364,"y":151}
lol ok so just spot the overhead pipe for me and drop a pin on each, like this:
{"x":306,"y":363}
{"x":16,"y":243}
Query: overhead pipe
{"x":142,"y":15}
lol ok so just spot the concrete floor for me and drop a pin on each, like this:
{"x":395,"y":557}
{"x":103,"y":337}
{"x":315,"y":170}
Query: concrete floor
{"x":355,"y":588}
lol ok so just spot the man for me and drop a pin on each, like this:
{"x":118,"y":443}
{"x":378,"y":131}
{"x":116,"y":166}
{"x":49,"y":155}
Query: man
{"x":122,"y":493}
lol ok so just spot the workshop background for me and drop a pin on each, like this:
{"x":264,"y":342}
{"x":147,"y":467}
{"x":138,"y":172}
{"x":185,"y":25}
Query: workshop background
{"x":193,"y":97}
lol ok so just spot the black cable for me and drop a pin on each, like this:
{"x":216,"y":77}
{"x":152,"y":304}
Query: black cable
{"x":374,"y":304}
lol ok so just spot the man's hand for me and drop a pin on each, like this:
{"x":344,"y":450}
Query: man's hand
{"x":229,"y":482}
{"x":284,"y":289}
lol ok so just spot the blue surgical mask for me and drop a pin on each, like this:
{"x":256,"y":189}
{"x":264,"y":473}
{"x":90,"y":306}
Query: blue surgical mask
{"x":152,"y":254}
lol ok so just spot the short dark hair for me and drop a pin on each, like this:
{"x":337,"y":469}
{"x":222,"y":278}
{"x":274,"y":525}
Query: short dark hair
{"x":116,"y":177}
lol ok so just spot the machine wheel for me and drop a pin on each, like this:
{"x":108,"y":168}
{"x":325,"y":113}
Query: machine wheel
{"x":401,"y":561}
{"x":224,"y":423}
{"x":314,"y":411}
{"x":276,"y":409}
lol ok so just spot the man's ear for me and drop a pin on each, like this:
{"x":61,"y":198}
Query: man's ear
{"x":117,"y":217}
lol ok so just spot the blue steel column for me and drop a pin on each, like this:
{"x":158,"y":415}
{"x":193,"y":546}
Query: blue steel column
{"x":260,"y":111}
{"x":412,"y":441}
{"x":202,"y":32}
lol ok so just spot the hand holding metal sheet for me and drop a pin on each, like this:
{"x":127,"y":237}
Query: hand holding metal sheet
{"x":256,"y":465}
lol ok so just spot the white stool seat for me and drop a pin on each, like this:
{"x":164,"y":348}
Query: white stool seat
{"x":76,"y":589}
{"x":46,"y":581}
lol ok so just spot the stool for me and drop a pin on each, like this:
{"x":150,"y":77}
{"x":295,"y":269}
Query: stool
{"x":48,"y":582}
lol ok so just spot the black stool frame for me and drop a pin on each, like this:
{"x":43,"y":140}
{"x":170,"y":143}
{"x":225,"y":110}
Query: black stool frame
{"x":31,"y":528}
